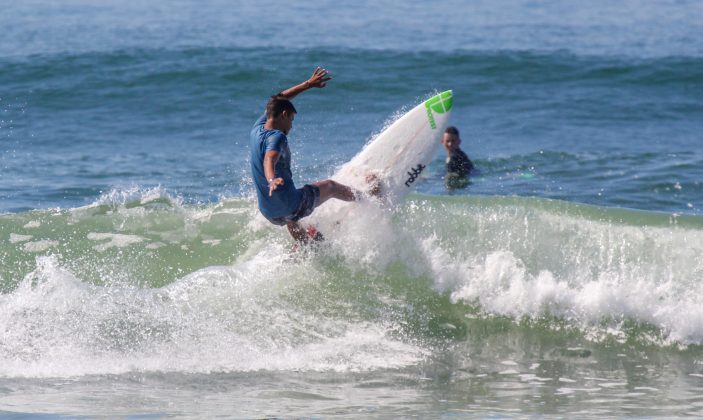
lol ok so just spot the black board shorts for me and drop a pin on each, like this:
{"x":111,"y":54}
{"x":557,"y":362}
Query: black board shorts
{"x":308,"y":202}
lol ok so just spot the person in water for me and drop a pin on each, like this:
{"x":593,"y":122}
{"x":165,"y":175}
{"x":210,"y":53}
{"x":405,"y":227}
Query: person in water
{"x":279,"y":201}
{"x":458,"y":164}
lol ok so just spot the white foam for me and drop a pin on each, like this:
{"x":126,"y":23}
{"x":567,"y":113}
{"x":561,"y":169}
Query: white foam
{"x":17,"y":238}
{"x":120,"y":197}
{"x":114,"y":240}
{"x":32,"y":224}
{"x":39,"y":246}
{"x":613,"y":384}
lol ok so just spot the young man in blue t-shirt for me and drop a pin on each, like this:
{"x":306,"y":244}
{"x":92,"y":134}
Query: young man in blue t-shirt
{"x":279,"y":201}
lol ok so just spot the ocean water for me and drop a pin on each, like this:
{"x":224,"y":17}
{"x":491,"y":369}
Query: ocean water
{"x":138,"y":279}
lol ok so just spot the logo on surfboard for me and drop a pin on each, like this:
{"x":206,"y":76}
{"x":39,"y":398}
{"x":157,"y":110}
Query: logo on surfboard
{"x":414,"y":173}
{"x":440,"y":104}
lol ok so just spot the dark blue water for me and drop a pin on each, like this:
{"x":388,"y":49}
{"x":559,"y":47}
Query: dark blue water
{"x":137,"y":277}
{"x":147,"y":95}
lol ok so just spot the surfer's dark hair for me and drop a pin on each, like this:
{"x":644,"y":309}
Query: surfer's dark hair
{"x":277,"y":104}
{"x":452,"y":130}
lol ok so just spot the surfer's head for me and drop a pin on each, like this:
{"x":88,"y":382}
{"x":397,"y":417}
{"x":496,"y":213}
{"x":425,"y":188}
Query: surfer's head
{"x":281,"y":112}
{"x":451,"y":139}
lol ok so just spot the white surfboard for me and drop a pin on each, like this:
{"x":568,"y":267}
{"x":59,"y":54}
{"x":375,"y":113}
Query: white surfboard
{"x":401,"y":152}
{"x":396,"y":157}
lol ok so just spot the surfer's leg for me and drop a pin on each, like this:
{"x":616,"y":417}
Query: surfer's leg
{"x":331,"y":189}
{"x":297,"y":231}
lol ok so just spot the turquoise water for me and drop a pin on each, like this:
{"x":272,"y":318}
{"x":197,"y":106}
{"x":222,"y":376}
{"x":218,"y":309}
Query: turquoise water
{"x":137,"y":278}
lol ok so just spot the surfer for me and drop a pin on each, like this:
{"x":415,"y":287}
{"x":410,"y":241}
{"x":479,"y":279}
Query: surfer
{"x":458,"y":164}
{"x":279,"y":201}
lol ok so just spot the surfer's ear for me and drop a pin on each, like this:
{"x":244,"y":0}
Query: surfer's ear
{"x":287,"y":114}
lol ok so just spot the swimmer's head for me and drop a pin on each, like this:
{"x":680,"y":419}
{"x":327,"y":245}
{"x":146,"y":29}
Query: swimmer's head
{"x":451,"y":139}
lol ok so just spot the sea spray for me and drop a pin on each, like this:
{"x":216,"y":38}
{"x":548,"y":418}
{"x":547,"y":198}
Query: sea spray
{"x":192,"y":325}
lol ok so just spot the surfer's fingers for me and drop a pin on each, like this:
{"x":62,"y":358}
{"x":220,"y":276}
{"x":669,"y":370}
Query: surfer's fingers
{"x":321,"y":73}
{"x":274,"y":185}
{"x":272,"y":188}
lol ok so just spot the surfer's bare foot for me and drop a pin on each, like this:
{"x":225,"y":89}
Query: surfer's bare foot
{"x":314,"y":234}
{"x":374,"y":185}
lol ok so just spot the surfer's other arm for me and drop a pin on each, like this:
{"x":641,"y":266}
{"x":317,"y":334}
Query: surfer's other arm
{"x":319,"y":79}
{"x":270,"y":159}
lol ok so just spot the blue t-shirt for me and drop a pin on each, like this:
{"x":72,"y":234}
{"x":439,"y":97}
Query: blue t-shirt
{"x":286,"y":198}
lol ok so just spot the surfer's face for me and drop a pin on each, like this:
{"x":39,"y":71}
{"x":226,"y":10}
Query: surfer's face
{"x":287,"y":121}
{"x":451,"y":142}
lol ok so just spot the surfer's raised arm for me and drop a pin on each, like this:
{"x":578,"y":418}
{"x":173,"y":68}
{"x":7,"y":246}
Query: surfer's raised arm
{"x":319,"y":79}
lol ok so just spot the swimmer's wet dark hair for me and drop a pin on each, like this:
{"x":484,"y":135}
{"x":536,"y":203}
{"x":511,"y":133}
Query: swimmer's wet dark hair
{"x":452,"y":130}
{"x":277,"y":104}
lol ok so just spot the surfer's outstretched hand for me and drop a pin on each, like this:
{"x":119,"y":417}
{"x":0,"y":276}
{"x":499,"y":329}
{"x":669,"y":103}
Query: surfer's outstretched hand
{"x":319,"y":78}
{"x":275,"y":183}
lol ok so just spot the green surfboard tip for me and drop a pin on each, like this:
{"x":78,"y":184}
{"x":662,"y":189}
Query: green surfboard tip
{"x":440,"y":103}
